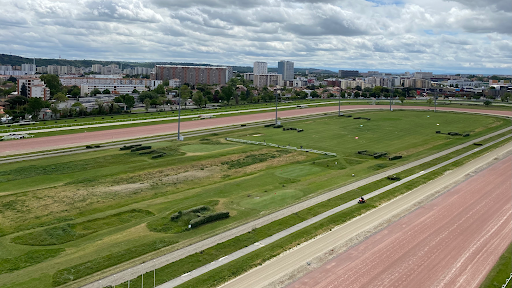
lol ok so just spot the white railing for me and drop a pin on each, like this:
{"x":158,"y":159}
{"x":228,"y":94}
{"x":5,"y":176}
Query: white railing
{"x":279,"y":146}
{"x":506,"y":282}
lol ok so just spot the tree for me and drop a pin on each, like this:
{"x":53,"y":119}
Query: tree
{"x":135,"y":91}
{"x":377,"y":90}
{"x":402,"y":99}
{"x":314,"y":94}
{"x":227,"y":92}
{"x":60,"y":97}
{"x":106,"y":91}
{"x":52,"y":82}
{"x":34,"y":106}
{"x":185,"y":94}
{"x":95,"y":92}
{"x":147,"y":95}
{"x":358,"y":88}
{"x":357,"y":94}
{"x":429,"y":101}
{"x":165,"y":83}
{"x":12,"y":79}
{"x":75,"y":92}
{"x":147,"y":103}
{"x":55,"y":110}
{"x":506,"y":97}
{"x":24,"y":90}
{"x":17,"y":101}
{"x":100,"y":105}
{"x":160,"y":89}
{"x":487,"y":102}
{"x":198,"y":99}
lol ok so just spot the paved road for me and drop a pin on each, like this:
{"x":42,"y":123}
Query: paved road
{"x":85,"y":138}
{"x":453,"y":241}
{"x":296,"y":259}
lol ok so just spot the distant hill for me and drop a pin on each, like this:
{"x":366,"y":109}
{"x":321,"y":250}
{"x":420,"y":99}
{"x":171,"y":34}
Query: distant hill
{"x":18,"y":60}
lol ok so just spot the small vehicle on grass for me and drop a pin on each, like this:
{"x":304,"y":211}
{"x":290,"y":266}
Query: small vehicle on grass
{"x":361,"y":200}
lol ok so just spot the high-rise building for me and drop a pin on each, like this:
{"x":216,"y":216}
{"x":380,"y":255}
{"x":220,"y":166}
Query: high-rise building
{"x":265,"y":80}
{"x":260,"y":68}
{"x":193,"y":75}
{"x":96,"y":68}
{"x":348,"y":73}
{"x":286,"y":68}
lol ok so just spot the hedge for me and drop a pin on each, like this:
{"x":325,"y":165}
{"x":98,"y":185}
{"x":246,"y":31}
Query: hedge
{"x":269,"y":125}
{"x":478,"y":144}
{"x":158,"y":155}
{"x":393,"y":177}
{"x":129,"y":147}
{"x":147,"y":152}
{"x":197,"y":209}
{"x":379,"y":155}
{"x":278,"y":126}
{"x":438,"y":132}
{"x":465,"y":135}
{"x":140,"y":148}
{"x":176,"y":216}
{"x":454,"y":133}
{"x":362,"y":152}
{"x":356,"y":118}
{"x":396,"y":157}
{"x":208,"y":218}
{"x":300,"y":130}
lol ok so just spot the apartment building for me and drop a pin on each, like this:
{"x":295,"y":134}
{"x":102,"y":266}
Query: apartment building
{"x":260,"y":68}
{"x":265,"y":80}
{"x":79,"y":81}
{"x":286,"y":68}
{"x":194,"y":75}
{"x":35,"y":87}
{"x":348,"y":73}
{"x":86,"y":89}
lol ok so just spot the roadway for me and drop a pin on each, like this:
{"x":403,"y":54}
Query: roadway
{"x":14,"y":147}
{"x":450,"y":242}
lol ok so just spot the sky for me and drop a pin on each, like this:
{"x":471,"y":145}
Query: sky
{"x":442,"y":36}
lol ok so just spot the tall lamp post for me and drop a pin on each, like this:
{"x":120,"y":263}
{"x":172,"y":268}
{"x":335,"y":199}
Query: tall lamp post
{"x":390,"y":101}
{"x":179,"y":115}
{"x":276,"y":106}
{"x":435,"y":101}
{"x":339,"y":103}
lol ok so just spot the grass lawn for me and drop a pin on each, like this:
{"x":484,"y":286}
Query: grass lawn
{"x":500,"y":272}
{"x":101,"y":207}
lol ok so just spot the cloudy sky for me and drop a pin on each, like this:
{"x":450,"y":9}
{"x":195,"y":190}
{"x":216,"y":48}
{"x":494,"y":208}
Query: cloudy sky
{"x":473,"y":36}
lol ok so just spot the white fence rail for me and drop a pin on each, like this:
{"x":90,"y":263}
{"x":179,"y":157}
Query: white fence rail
{"x":279,"y":146}
{"x":506,"y":282}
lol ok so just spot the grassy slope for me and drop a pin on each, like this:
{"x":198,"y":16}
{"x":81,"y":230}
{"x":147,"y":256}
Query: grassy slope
{"x":246,"y":195}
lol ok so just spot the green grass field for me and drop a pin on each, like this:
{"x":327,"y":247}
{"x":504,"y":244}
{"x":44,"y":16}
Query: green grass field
{"x":500,"y":272}
{"x":103,"y":208}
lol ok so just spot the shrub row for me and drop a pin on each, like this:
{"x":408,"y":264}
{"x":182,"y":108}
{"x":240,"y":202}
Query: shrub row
{"x":380,"y":154}
{"x":300,"y":130}
{"x":197,"y":209}
{"x":375,"y":155}
{"x":176,"y":215}
{"x":92,"y":146}
{"x":396,"y":157}
{"x":269,"y":125}
{"x":393,"y":177}
{"x":278,"y":126}
{"x":147,"y":152}
{"x":478,"y":144}
{"x":158,"y":155}
{"x":208,"y":218}
{"x":357,"y":118}
{"x":129,"y":147}
{"x":140,"y":148}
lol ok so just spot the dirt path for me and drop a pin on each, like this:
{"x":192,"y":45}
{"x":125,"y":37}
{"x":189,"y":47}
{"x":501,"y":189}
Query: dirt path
{"x":453,"y":241}
{"x":85,"y":138}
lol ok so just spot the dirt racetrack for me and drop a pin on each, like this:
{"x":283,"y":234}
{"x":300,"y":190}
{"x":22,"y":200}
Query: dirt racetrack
{"x":85,"y":138}
{"x":452,"y":241}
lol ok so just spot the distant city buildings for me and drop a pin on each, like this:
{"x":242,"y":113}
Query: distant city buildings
{"x":35,"y":87}
{"x":260,"y":68}
{"x":286,"y":69}
{"x":265,"y":80}
{"x":348,"y":74}
{"x":194,"y":75}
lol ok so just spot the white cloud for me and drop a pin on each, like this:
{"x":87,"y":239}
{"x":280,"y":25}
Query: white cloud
{"x":439,"y":35}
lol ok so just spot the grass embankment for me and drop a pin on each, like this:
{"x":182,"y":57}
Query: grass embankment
{"x":501,"y":271}
{"x":239,"y":266}
{"x":246,"y":180}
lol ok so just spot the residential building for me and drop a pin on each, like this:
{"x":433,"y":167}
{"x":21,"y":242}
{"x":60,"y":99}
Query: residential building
{"x":193,"y":75}
{"x":79,"y":81}
{"x":348,"y":74}
{"x":35,"y":87}
{"x":265,"y":80}
{"x":86,"y":89}
{"x":29,"y":69}
{"x":249,"y":76}
{"x":286,"y":68}
{"x":53,"y":69}
{"x":260,"y":68}
{"x":423,"y":75}
{"x":96,"y":68}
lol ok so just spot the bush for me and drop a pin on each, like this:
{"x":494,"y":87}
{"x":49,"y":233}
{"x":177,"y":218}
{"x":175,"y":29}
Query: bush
{"x":379,"y":155}
{"x":393,"y":177}
{"x":300,"y":130}
{"x":362,"y":152}
{"x":197,"y":209}
{"x":176,"y":216}
{"x":278,"y":126}
{"x":438,"y":132}
{"x":356,"y":118}
{"x":453,"y":133}
{"x":465,"y":135}
{"x":129,"y":147}
{"x":349,"y":116}
{"x":147,"y":152}
{"x":158,"y":155}
{"x":140,"y":148}
{"x":89,"y":147}
{"x":208,"y":218}
{"x":478,"y":144}
{"x":269,"y":125}
{"x":396,"y":157}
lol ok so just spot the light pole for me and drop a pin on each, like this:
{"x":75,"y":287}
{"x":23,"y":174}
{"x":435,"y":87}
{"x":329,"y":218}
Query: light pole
{"x":179,"y":115}
{"x":276,"y":107}
{"x":390,"y":97}
{"x":339,"y":104}
{"x":435,"y":101}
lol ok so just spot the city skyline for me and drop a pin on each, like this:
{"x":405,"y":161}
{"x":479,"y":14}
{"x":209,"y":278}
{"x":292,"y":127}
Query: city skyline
{"x":411,"y":35}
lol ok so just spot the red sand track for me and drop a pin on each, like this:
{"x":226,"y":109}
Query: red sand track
{"x":53,"y":142}
{"x":453,"y":241}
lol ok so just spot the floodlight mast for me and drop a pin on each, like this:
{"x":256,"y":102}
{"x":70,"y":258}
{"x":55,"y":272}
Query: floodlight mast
{"x":179,"y":115}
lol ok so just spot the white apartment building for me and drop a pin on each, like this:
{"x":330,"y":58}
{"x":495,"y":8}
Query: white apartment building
{"x":29,"y":68}
{"x":86,"y":89}
{"x":260,"y":68}
{"x":249,"y":76}
{"x":35,"y":87}
{"x":53,"y":69}
{"x":265,"y":80}
{"x":9,"y":70}
{"x":79,"y":81}
{"x":96,"y":68}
